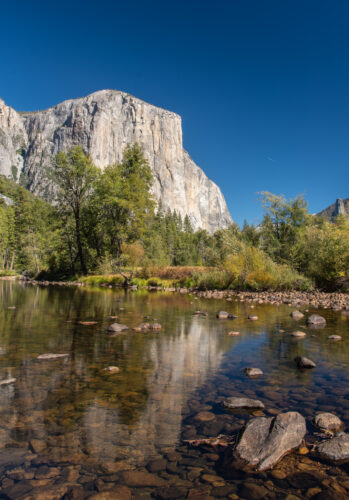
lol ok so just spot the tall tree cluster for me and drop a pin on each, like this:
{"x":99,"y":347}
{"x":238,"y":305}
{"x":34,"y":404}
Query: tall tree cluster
{"x":107,"y":222}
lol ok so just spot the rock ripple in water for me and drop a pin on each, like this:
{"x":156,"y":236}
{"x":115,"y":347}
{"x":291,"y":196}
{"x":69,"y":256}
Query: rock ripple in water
{"x":264,"y":441}
{"x":335,"y":449}
{"x":237,"y":403}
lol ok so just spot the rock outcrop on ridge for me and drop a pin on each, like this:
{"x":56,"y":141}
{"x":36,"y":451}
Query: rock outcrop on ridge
{"x":103,"y":123}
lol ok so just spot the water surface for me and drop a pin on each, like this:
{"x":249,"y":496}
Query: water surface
{"x":69,"y":428}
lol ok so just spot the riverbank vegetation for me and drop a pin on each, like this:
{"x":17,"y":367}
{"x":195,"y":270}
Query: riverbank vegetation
{"x":107,"y":227}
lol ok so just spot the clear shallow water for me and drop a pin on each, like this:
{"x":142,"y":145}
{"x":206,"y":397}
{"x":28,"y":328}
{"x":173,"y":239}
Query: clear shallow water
{"x":69,"y":428}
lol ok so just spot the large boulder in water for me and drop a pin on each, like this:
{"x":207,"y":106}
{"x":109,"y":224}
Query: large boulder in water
{"x":335,"y":449}
{"x":328,"y":422}
{"x":264,"y":441}
{"x":315,"y":320}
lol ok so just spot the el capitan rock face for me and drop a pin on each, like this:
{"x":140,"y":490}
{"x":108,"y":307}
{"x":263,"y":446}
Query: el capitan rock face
{"x":103,"y":123}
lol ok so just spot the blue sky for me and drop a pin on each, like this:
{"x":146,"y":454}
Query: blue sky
{"x":262,"y":85}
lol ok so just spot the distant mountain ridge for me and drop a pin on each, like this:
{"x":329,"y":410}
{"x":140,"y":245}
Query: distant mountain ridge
{"x":339,"y":207}
{"x":103,"y":123}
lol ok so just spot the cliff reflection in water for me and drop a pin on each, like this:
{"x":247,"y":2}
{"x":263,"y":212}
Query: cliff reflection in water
{"x":71,"y":405}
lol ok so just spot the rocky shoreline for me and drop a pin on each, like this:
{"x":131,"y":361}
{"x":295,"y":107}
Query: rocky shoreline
{"x":337,"y":301}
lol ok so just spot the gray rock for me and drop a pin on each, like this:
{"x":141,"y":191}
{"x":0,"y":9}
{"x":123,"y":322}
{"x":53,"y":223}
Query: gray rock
{"x":335,"y":449}
{"x":49,"y":356}
{"x":264,"y":441}
{"x":253,"y":318}
{"x":117,"y":328}
{"x":102,"y":123}
{"x":328,"y":422}
{"x":316,"y":320}
{"x":296,"y":315}
{"x":253,"y":372}
{"x":303,"y":362}
{"x":235,"y":403}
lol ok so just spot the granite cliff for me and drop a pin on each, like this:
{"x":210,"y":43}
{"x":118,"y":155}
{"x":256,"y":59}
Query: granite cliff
{"x":339,"y":207}
{"x":103,"y":123}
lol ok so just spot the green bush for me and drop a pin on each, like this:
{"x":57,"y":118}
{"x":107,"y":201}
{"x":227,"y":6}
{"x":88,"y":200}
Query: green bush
{"x":114,"y":280}
{"x":6,"y":272}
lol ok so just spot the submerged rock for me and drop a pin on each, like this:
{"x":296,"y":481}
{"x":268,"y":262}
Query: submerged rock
{"x":143,"y":327}
{"x":112,"y":369}
{"x":48,"y":356}
{"x":296,"y":315}
{"x":328,"y":422}
{"x":335,"y":337}
{"x":200,"y":313}
{"x":118,"y":492}
{"x":253,"y":318}
{"x":264,"y":441}
{"x":117,"y":328}
{"x":234,"y":403}
{"x":253,"y":372}
{"x":225,"y":315}
{"x":155,"y":326}
{"x":298,"y":334}
{"x":335,"y":449}
{"x":316,"y":320}
{"x":138,"y":479}
{"x":7,"y":381}
{"x":303,"y":362}
{"x":222,"y":315}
